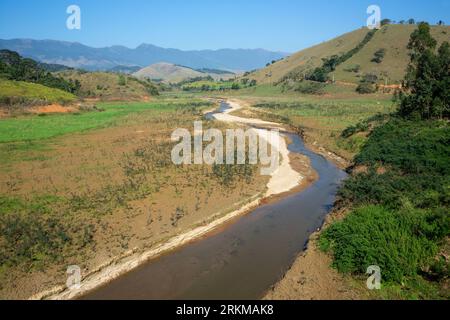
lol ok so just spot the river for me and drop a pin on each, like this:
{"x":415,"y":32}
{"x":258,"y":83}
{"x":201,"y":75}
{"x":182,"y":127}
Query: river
{"x":243,"y":259}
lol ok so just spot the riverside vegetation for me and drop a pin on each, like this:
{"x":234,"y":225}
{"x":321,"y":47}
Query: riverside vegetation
{"x":400,"y":198}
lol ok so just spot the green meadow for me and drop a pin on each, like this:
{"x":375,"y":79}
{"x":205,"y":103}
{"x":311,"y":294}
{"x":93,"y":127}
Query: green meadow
{"x":28,"y":128}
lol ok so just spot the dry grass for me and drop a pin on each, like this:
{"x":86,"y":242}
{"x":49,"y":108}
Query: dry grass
{"x":111,"y":190}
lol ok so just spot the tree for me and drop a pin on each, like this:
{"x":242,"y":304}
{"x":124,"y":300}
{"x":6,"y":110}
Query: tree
{"x":411,"y":21}
{"x":427,"y":80}
{"x":385,"y":22}
{"x":235,"y":86}
{"x":441,"y":23}
{"x":122,"y":80}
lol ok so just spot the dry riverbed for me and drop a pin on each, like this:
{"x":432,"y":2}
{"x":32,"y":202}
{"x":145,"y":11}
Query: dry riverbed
{"x":102,"y":269}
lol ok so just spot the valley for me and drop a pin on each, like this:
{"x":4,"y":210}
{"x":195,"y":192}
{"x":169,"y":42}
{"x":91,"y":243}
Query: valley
{"x":361,"y":179}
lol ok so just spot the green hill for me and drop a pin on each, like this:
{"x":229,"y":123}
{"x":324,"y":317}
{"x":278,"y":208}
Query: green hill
{"x":392,"y":38}
{"x":110,"y":86}
{"x":14,"y":67}
{"x":20,"y":92}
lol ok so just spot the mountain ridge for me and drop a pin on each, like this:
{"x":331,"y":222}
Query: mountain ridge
{"x":78,"y":55}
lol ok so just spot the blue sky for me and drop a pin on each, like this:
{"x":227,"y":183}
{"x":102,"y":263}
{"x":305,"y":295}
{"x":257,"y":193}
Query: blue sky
{"x":281,"y":25}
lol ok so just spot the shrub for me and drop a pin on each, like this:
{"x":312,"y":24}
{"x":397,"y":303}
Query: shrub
{"x":367,"y":84}
{"x":401,"y":243}
{"x":354,"y":68}
{"x":309,"y":87}
{"x":379,"y":56}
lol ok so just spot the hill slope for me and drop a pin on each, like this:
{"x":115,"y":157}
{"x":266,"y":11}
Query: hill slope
{"x":20,"y":92}
{"x":168,"y":72}
{"x":110,"y":86}
{"x":392,"y":38}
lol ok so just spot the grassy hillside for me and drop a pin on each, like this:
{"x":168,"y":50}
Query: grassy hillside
{"x":110,"y":86}
{"x":392,"y":38}
{"x":19,"y":92}
{"x":172,"y":73}
{"x":309,"y":58}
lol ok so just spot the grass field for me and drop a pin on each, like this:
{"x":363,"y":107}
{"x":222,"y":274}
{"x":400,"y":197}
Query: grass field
{"x":322,"y":118}
{"x":12,"y":92}
{"x":205,"y":85}
{"x":29,"y":128}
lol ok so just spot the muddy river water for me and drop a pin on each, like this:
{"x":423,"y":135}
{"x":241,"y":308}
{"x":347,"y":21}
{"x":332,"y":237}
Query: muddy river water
{"x":245,"y":258}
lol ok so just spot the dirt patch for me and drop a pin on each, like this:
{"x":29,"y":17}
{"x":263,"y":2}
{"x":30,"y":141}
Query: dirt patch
{"x":52,"y":108}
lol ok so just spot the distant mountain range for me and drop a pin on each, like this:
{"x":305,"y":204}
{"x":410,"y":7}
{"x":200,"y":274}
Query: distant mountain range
{"x":77,"y":55}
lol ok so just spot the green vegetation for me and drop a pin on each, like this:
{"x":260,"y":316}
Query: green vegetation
{"x":14,"y":67}
{"x":427,"y":79}
{"x":31,"y":235}
{"x":378,"y":56}
{"x":353,"y":68}
{"x":210,"y":85}
{"x":401,"y":198}
{"x":400,"y":242}
{"x":324,"y":120}
{"x":110,"y":86}
{"x":19,"y":92}
{"x":401,"y":216}
{"x":35,"y":128}
{"x":392,"y":37}
{"x":368,"y":84}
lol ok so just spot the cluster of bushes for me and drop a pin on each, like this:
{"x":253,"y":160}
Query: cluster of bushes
{"x":211,"y":85}
{"x":308,"y":87}
{"x":378,"y":56}
{"x":401,"y":198}
{"x":151,"y":88}
{"x":400,"y":242}
{"x":354,"y":68}
{"x":14,"y":67}
{"x":402,"y":202}
{"x":368,"y":84}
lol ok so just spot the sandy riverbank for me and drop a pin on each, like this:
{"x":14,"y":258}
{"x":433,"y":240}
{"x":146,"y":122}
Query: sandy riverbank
{"x":284,"y":178}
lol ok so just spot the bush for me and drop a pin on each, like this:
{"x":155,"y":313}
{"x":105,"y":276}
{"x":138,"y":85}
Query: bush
{"x":401,"y":243}
{"x":354,"y":68}
{"x":368,"y":84}
{"x":309,"y":87}
{"x":379,"y":56}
